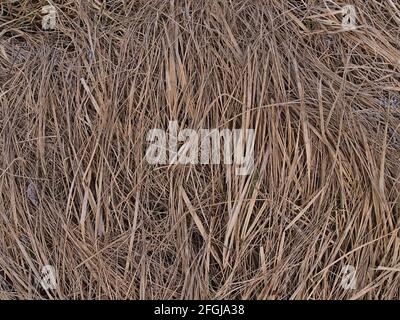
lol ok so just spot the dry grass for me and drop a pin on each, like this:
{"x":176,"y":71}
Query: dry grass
{"x":77,"y":193}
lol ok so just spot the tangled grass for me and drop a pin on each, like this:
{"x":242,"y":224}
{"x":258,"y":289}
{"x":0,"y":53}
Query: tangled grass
{"x":77,"y":193}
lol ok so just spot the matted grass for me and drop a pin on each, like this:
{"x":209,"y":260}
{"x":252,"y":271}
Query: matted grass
{"x":77,"y":193}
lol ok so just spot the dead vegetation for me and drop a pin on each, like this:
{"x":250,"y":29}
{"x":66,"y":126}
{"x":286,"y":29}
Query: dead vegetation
{"x":77,"y":193}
